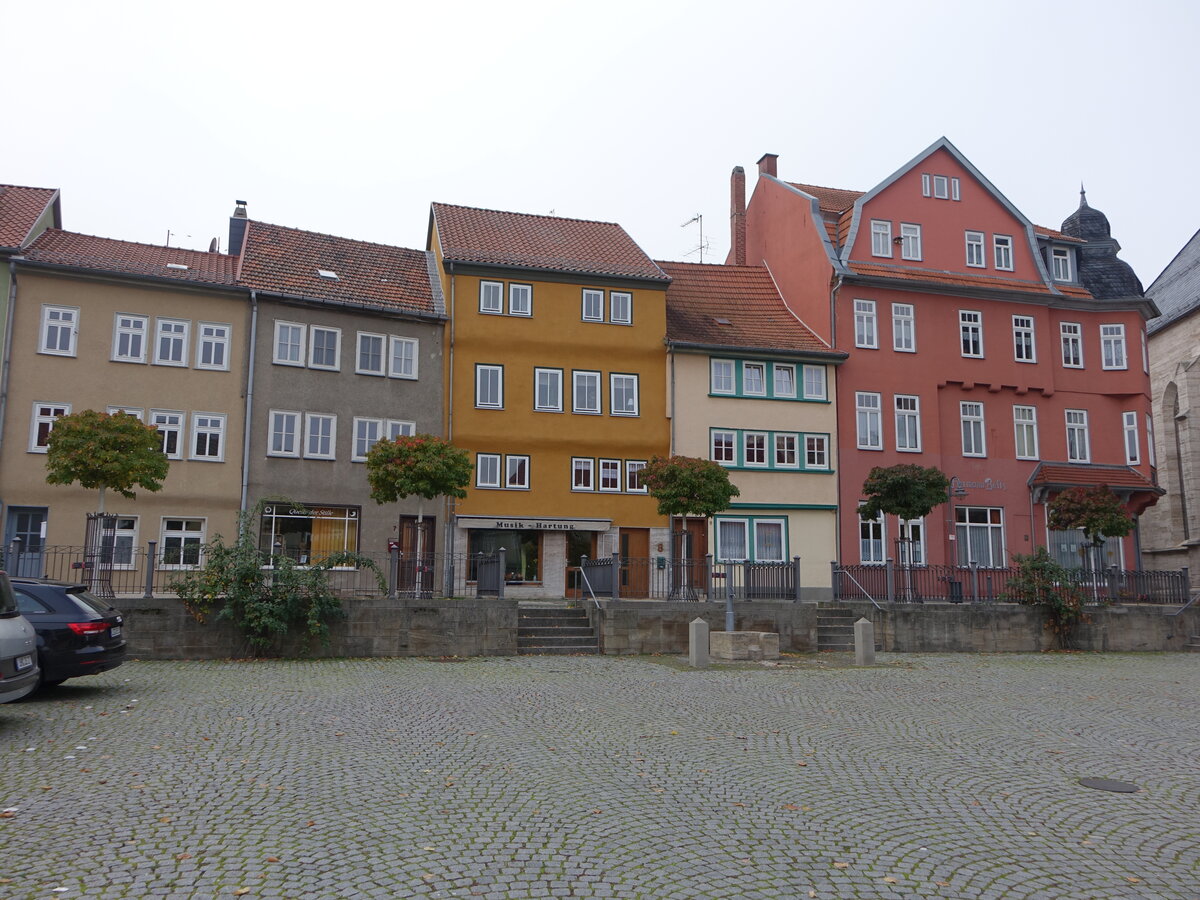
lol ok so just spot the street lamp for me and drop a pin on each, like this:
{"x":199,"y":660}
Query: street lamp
{"x":955,"y":489}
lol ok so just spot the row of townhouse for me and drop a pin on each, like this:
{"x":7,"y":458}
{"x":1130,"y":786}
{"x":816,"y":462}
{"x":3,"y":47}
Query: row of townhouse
{"x":923,"y":321}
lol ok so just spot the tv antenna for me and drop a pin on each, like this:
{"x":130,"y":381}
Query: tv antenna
{"x":703,"y":245}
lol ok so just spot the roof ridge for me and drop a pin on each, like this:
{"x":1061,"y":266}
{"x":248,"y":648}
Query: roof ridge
{"x":682,"y":262}
{"x":508,"y":212}
{"x":29,"y":187}
{"x":336,"y":237}
{"x":99,"y":237}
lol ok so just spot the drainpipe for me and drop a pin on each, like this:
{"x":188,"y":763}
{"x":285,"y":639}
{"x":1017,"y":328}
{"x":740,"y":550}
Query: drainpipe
{"x":451,"y":515}
{"x":8,"y":328}
{"x":671,"y":354}
{"x":837,"y":478}
{"x":249,"y":398}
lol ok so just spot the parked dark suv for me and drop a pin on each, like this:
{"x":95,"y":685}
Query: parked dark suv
{"x":77,"y":632}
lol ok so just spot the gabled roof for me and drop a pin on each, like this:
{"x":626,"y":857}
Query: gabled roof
{"x":289,"y":262}
{"x":1176,"y":290}
{"x":834,"y":200}
{"x":1064,"y":475}
{"x":489,"y":237}
{"x":20,"y":209}
{"x":733,"y":306}
{"x":55,"y":247}
{"x":961,"y":279}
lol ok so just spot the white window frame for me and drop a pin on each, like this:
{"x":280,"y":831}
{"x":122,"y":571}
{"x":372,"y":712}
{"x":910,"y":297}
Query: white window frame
{"x":955,"y":192}
{"x":310,"y":432}
{"x":755,"y":449}
{"x":728,"y":439}
{"x":911,"y":552}
{"x":714,"y":377}
{"x":579,"y":377}
{"x":122,"y":550}
{"x":613,"y":379}
{"x":904,"y":328}
{"x":976,"y":258}
{"x":812,"y":382}
{"x":1151,"y":453}
{"x":363,"y":337}
{"x":779,"y":523}
{"x":186,"y":536}
{"x":866,"y":325}
{"x":786,"y":445}
{"x":1145,"y":352}
{"x":1025,"y":421}
{"x":970,"y":330}
{"x":583,"y":473}
{"x":941,"y":187}
{"x":1061,"y":265}
{"x":719,"y":525}
{"x":520,"y":299}
{"x":973,"y":427}
{"x":1129,"y":426}
{"x":337,"y":348}
{"x":620,"y":307}
{"x":553,"y":378}
{"x":394,"y":428}
{"x":963,"y":529}
{"x":407,"y":369}
{"x":1024,"y":339}
{"x":56,"y":410}
{"x":487,"y":291}
{"x":219,"y":338}
{"x":300,"y":345}
{"x":872,"y":549}
{"x":610,"y":470}
{"x":868,"y":407}
{"x":926,"y":190}
{"x":137,"y":412}
{"x":816,"y":451}
{"x":1113,"y":352}
{"x":591,"y":305}
{"x":362,"y":439}
{"x":182,"y":338}
{"x":166,"y":428}
{"x":275,"y":419}
{"x":761,"y":369}
{"x":205,"y":424}
{"x":1070,"y":336}
{"x":776,"y":369}
{"x":522,"y":472}
{"x":140,"y":331}
{"x":489,"y":403}
{"x":633,"y":481}
{"x":1079,"y":449}
{"x":53,"y":317}
{"x":907,"y":408}
{"x":910,"y":241}
{"x":1002,"y":252}
{"x":493,"y":466}
{"x":881,"y":238}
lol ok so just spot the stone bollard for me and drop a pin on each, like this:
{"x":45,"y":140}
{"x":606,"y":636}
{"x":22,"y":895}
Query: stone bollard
{"x":698,"y":644}
{"x":864,"y":643}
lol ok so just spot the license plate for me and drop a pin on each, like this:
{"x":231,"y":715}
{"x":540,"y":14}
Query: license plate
{"x":24,"y":662}
{"x":115,"y":631}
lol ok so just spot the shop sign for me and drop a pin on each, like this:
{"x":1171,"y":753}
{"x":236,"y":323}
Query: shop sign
{"x":535,"y":524}
{"x":988,"y":484}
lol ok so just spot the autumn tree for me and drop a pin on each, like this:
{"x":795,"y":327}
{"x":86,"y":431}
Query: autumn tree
{"x":686,"y":486}
{"x":1096,"y":511}
{"x":105,"y":450}
{"x":908,"y":491}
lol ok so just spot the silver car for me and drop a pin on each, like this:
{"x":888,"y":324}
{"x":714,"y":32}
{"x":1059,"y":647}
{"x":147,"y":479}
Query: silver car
{"x":18,"y":648}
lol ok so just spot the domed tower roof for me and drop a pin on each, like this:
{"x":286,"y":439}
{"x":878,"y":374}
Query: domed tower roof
{"x":1100,"y":271}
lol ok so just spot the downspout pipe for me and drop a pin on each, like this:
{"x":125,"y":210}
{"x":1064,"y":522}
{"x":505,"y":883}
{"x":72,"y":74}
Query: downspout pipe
{"x":8,"y":330}
{"x":837,"y":513}
{"x":451,"y":517}
{"x":249,"y":399}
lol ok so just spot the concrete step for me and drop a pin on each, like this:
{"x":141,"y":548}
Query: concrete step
{"x":558,"y":640}
{"x":530,"y":632}
{"x":558,"y":651}
{"x":553,"y":622}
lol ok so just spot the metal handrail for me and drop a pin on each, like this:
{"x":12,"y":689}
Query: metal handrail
{"x":1183,"y":608}
{"x":867,"y":593}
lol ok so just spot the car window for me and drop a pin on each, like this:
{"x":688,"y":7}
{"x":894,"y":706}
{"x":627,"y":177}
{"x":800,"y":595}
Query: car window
{"x":30,"y":605}
{"x":89,"y":603}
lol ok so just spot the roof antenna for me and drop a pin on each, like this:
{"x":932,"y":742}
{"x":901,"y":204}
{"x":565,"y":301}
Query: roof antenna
{"x":703,"y":245}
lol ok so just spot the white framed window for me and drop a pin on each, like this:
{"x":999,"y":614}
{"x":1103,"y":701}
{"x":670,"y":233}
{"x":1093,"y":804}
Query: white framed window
{"x":42,"y":423}
{"x":732,"y":540}
{"x":623,"y":394}
{"x":59,"y":330}
{"x":724,"y":447}
{"x":620,"y":308}
{"x":904,"y":331}
{"x":754,"y":379}
{"x":1002,"y":248}
{"x":208,"y":436}
{"x":911,"y":549}
{"x":610,"y":475}
{"x":489,"y":386}
{"x":1060,"y":264}
{"x":869,"y":424}
{"x":367,"y":433}
{"x":182,"y":543}
{"x":814,"y":383}
{"x":975,"y":250}
{"x":491,"y":297}
{"x":1025,"y":435}
{"x":910,"y":241}
{"x":816,"y":451}
{"x":754,"y":448}
{"x":320,"y":436}
{"x":881,"y":238}
{"x":369,"y":359}
{"x":324,"y":348}
{"x":1129,"y":425}
{"x":520,"y":300}
{"x":289,"y":344}
{"x":171,"y":343}
{"x":402,"y":360}
{"x":908,"y":423}
{"x":784,"y":376}
{"x":122,"y":541}
{"x":583,"y":473}
{"x":872,"y":543}
{"x":516,"y":472}
{"x":134,"y":411}
{"x":769,"y":543}
{"x":1024,"y":348}
{"x":585,"y":392}
{"x":129,"y":338}
{"x":979,"y":532}
{"x":1145,"y":352}
{"x":633,"y":476}
{"x":865,"y":332}
{"x":169,"y":423}
{"x":970,"y":331}
{"x":1071,"y":334}
{"x":721,"y":376}
{"x":974,"y":438}
{"x":1112,"y":347}
{"x":284,"y":437}
{"x":955,"y":192}
{"x":394,"y":428}
{"x":1078,"y":444}
{"x":1151,"y":457}
{"x":212,"y":346}
{"x":487,"y":470}
{"x":925,"y":182}
{"x":547,"y":396}
{"x":593,"y":305}
{"x":941,"y":187}
{"x":786,"y":451}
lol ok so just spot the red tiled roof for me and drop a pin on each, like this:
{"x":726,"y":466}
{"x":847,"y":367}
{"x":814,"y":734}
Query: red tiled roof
{"x":578,"y":246}
{"x":960,"y":279}
{"x":701,"y":298}
{"x":286,"y":261}
{"x":20,"y":208}
{"x":1087,"y":475}
{"x":1057,"y":235}
{"x":83,"y":251}
{"x":830,"y":199}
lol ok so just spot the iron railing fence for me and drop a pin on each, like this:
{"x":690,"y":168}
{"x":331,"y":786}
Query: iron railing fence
{"x":660,"y":578}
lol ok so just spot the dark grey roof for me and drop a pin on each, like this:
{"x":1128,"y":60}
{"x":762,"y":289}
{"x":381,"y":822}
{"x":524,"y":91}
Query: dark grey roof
{"x":1100,"y":271}
{"x":1177,"y":290}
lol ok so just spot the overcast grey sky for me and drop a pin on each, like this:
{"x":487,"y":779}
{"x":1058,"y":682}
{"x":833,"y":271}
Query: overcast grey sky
{"x":350,"y":118}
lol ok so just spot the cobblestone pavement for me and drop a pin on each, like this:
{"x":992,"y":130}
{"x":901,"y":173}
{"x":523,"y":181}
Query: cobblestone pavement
{"x":925,"y":776}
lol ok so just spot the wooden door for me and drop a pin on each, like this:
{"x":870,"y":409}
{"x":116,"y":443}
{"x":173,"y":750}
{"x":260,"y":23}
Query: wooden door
{"x":635,"y":562}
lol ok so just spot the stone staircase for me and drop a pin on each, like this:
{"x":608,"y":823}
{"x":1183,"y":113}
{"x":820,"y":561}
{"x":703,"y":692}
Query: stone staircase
{"x":561,"y":630}
{"x":835,"y":629}
{"x":1193,"y":645}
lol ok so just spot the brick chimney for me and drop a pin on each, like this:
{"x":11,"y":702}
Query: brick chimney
{"x":237,"y":227}
{"x":766,"y":164}
{"x":737,"y":215}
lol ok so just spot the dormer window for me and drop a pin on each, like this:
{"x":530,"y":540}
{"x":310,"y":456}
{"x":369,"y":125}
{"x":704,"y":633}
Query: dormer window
{"x":327,"y":274}
{"x":1060,"y":264}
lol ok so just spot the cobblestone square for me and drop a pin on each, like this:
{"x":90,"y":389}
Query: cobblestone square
{"x":924,"y":776}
